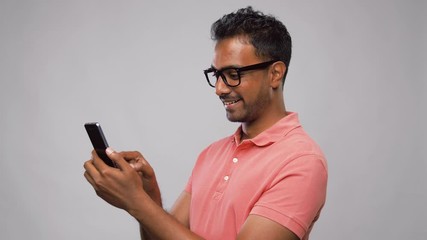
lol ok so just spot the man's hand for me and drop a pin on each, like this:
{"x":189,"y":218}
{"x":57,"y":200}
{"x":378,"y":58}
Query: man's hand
{"x":122,"y":187}
{"x":138,"y":162}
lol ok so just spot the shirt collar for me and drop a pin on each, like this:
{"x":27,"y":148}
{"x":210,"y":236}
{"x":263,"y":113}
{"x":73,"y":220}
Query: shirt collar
{"x":274,"y":133}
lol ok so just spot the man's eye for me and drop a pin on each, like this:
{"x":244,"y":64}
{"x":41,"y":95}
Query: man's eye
{"x":232,"y":75}
{"x":215,"y":75}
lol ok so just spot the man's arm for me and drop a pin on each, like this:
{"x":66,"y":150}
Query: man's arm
{"x":180,"y":211}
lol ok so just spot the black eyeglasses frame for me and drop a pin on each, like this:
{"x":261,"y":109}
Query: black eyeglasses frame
{"x":239,"y":70}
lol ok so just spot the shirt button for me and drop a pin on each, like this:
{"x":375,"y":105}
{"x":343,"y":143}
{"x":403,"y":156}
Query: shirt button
{"x":226,"y":178}
{"x":235,"y":160}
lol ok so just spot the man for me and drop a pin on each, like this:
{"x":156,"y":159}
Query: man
{"x":266,"y":181}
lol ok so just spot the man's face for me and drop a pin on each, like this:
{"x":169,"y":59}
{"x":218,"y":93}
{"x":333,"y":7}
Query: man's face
{"x":248,"y":101}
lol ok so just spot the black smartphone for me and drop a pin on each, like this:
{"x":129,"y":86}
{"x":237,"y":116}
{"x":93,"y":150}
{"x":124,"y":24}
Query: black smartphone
{"x":99,"y":141}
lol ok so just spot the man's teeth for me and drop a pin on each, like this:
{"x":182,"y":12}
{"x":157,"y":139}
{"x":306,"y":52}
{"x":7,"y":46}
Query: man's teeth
{"x":229,"y":103}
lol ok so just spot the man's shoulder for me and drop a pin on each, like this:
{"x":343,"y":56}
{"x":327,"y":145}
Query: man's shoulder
{"x":299,"y":141}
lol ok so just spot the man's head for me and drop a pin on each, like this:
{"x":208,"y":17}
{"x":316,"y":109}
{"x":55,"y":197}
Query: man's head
{"x":269,"y":36}
{"x":252,"y":51}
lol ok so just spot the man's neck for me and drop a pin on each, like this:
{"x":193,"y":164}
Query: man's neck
{"x":252,"y":129}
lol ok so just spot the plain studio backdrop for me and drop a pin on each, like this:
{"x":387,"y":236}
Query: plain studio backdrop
{"x":357,"y":78}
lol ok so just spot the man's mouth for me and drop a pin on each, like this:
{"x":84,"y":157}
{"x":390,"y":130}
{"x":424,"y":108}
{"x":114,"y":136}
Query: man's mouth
{"x":227,"y":102}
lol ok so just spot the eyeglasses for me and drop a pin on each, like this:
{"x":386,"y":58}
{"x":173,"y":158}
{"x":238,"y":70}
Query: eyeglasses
{"x":231,"y":75}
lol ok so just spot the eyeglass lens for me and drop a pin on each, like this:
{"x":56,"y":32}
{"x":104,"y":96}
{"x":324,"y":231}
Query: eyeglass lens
{"x":230,"y":76}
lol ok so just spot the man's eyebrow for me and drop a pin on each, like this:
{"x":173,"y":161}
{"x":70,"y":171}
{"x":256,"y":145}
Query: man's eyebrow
{"x":226,"y":67}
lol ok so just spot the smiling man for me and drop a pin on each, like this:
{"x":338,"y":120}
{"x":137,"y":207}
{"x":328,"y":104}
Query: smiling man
{"x":265,"y":181}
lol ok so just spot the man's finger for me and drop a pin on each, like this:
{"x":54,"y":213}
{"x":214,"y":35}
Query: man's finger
{"x":90,"y":173}
{"x":131,"y":155}
{"x":90,"y":180}
{"x":137,"y":162}
{"x":117,"y":158}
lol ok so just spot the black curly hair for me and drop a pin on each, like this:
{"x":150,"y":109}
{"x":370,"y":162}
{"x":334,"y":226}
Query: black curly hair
{"x":268,"y":35}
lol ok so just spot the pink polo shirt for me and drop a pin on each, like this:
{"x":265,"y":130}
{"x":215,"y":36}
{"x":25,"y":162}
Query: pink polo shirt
{"x":281,"y":174}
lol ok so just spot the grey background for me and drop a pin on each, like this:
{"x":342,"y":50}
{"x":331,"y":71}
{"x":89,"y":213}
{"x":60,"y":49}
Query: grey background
{"x":357,"y":79}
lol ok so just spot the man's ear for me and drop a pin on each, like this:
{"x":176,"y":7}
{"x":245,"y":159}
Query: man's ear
{"x":278,"y":70}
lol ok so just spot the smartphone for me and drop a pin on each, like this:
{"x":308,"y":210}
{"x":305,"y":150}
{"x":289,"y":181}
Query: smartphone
{"x":99,"y":142}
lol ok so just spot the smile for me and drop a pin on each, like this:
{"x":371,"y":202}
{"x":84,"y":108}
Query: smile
{"x":227,"y":103}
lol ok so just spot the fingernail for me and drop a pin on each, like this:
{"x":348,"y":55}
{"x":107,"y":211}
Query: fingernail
{"x":109,"y":150}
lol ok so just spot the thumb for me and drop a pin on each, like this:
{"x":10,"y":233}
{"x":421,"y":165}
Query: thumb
{"x":116,"y":158}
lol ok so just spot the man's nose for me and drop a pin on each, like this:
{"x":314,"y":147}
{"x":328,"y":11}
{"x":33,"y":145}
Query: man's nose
{"x":221,"y":88}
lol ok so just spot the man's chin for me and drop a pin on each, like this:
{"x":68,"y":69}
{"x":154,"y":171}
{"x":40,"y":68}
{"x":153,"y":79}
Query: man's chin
{"x":232,"y":118}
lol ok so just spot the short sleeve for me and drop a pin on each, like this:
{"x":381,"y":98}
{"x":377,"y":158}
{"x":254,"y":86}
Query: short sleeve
{"x":296,"y":194}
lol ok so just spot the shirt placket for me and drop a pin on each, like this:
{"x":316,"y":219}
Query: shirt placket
{"x":232,"y":163}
